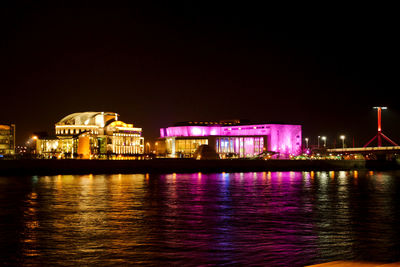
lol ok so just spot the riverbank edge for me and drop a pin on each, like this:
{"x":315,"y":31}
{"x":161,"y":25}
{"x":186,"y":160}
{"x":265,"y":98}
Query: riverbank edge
{"x":55,"y":167}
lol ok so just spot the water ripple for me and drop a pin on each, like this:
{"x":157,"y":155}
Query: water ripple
{"x":261,"y":219}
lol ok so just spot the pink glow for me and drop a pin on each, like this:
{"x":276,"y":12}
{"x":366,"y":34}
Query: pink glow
{"x":282,"y":138}
{"x":181,"y":131}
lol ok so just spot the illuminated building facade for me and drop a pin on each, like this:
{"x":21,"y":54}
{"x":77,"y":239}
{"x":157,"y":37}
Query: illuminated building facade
{"x":232,"y":138}
{"x":93,"y":135}
{"x":7,"y":139}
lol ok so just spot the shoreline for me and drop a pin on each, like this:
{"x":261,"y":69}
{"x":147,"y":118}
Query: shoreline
{"x":72,"y":166}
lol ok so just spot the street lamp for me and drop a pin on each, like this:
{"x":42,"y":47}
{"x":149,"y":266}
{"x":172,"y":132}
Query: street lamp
{"x":342,"y":137}
{"x":34,"y":144}
{"x":324,"y":139}
{"x":306,"y":142}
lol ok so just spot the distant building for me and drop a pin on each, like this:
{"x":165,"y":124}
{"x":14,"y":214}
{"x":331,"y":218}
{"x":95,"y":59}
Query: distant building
{"x":21,"y":150}
{"x":231,"y":139}
{"x":7,"y":139}
{"x":92,"y":135}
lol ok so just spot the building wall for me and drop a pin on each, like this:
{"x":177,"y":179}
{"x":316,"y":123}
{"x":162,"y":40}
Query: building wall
{"x":84,"y":150}
{"x":285,"y":139}
{"x":187,"y":146}
{"x":241,"y":140}
{"x":49,"y":148}
{"x":7,"y":139}
{"x":240,"y":146}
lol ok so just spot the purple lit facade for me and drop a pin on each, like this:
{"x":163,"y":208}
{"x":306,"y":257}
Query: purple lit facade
{"x":240,"y":140}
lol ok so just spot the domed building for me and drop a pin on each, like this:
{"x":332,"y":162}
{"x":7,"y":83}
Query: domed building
{"x":94,"y":135}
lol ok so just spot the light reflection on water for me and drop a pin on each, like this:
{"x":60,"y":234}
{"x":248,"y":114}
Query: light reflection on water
{"x":263,"y":218}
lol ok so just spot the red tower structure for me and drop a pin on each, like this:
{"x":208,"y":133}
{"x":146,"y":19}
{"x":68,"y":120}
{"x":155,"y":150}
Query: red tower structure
{"x":379,"y":135}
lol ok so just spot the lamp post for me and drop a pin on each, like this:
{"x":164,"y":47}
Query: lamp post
{"x":34,"y":144}
{"x":318,"y":140}
{"x":324,"y":139}
{"x":342,"y":137}
{"x":306,"y":142}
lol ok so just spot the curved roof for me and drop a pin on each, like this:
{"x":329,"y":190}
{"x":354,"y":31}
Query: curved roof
{"x":88,"y":118}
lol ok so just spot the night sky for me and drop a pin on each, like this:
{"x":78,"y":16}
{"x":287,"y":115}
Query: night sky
{"x":157,"y":65}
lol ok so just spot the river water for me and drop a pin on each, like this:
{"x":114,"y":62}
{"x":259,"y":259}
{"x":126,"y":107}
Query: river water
{"x":198,"y":219}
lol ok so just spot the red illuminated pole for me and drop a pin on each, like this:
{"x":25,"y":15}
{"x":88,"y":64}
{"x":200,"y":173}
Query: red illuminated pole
{"x":379,"y":126}
{"x":379,"y":135}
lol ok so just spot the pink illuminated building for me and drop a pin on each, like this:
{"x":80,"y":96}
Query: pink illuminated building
{"x":232,"y":138}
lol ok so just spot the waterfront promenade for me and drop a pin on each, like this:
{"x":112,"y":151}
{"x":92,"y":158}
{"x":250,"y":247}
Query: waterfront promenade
{"x":51,"y":167}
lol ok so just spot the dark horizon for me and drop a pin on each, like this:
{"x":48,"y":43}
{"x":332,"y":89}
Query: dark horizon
{"x":161,"y":64}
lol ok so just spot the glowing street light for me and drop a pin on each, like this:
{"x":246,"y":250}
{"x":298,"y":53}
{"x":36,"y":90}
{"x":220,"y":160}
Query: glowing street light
{"x":306,"y":142}
{"x":324,"y":139}
{"x":33,"y":143}
{"x":342,"y":137}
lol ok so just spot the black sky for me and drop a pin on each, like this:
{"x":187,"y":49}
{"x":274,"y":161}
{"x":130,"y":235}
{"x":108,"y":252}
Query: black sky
{"x":159,"y":64}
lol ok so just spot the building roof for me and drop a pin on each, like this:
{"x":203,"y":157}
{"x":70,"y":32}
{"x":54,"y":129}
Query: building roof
{"x":4,"y":127}
{"x":211,"y":123}
{"x":229,"y":123}
{"x":88,"y":118}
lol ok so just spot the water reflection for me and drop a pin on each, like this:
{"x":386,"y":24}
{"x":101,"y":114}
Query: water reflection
{"x":266,"y":218}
